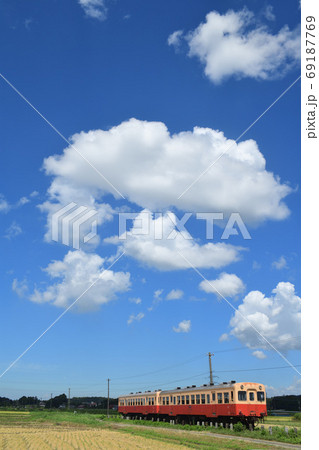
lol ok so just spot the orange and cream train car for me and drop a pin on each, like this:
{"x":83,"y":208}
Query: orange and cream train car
{"x":223,"y":403}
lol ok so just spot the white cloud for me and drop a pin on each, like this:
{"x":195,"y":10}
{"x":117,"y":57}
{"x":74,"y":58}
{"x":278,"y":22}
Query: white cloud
{"x":75,"y":273}
{"x":163,"y":254}
{"x":175,"y":294}
{"x":232,"y":44}
{"x":4,"y":205}
{"x":224,"y":337}
{"x":95,"y":9}
{"x":269,"y":13}
{"x":293,"y":389}
{"x":183,"y":327}
{"x":259,"y":354}
{"x":13,"y":230}
{"x":23,"y":201}
{"x":61,"y":193}
{"x":174,"y":39}
{"x":277,"y":318}
{"x":158,"y":293}
{"x":280,"y":264}
{"x":20,"y":287}
{"x":135,"y":300}
{"x":152,"y":168}
{"x":227,"y":285}
{"x":137,"y":318}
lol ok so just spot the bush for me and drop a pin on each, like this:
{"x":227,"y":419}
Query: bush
{"x":297,"y":416}
{"x":238,"y":426}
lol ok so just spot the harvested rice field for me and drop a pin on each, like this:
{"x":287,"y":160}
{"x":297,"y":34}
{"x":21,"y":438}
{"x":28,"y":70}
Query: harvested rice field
{"x":64,"y":437}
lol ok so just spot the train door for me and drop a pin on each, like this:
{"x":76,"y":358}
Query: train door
{"x":214,"y":404}
{"x":251,"y":400}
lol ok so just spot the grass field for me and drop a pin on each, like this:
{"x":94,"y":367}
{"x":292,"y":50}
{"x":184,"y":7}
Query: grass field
{"x":65,"y":430}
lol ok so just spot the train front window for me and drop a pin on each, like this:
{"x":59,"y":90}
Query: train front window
{"x":261,"y":396}
{"x":220,"y":397}
{"x":214,"y":397}
{"x":208,"y":399}
{"x":232,"y":396}
{"x":226,"y":397}
{"x":242,"y":396}
{"x":251,"y":396}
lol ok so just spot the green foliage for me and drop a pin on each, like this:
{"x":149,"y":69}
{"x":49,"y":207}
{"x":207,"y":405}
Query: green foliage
{"x":297,"y":416}
{"x":239,"y":427}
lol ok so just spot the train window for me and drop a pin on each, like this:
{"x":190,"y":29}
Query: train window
{"x":197,"y":399}
{"x":232,"y":396}
{"x":167,"y":400}
{"x":178,"y":400}
{"x":251,"y":396}
{"x":260,"y":396}
{"x":220,"y":397}
{"x":226,"y":397}
{"x":174,"y":399}
{"x":203,"y":399}
{"x":171,"y":399}
{"x":187,"y":399}
{"x":214,"y":397}
{"x":242,"y":396}
{"x":193,"y":399}
{"x":208,"y":399}
{"x":183,"y":399}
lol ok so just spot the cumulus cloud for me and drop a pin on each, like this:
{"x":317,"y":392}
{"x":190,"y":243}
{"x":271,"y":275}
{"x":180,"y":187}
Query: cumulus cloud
{"x":137,"y":318}
{"x":135,"y":300}
{"x":4,"y":205}
{"x":95,"y":9}
{"x":61,"y":193}
{"x":20,"y":287}
{"x":277,"y":318}
{"x":281,"y":263}
{"x":175,"y":294}
{"x":151,"y":168}
{"x":224,"y":337}
{"x":259,"y":354}
{"x":74,"y":275}
{"x":227,"y":285}
{"x":13,"y":231}
{"x":232,"y":44}
{"x":183,"y":327}
{"x":165,"y":254}
{"x":175,"y":38}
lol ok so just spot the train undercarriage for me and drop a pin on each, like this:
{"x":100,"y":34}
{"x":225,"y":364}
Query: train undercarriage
{"x":222,"y":421}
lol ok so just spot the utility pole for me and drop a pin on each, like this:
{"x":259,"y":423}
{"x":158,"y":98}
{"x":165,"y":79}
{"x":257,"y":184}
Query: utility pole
{"x":69,"y":399}
{"x":210,"y":367}
{"x":108,"y":398}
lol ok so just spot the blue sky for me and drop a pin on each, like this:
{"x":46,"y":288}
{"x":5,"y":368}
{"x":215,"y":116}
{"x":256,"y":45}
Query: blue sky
{"x":118,"y":67}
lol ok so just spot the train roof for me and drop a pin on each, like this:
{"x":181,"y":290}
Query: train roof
{"x":186,"y":389}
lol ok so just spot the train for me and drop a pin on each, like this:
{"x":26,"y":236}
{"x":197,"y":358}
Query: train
{"x":225,"y":403}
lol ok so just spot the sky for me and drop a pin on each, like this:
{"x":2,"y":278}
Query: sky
{"x":154,"y":118}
